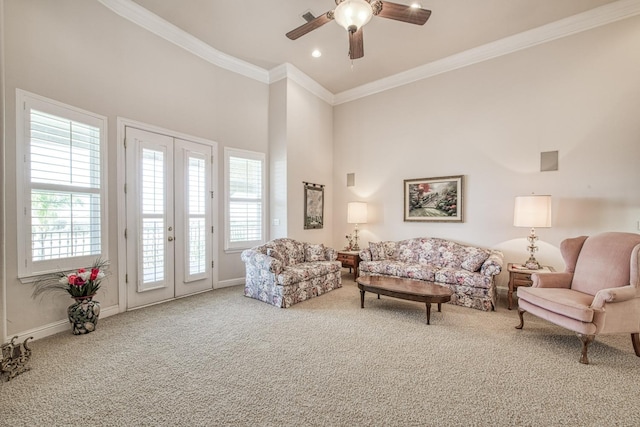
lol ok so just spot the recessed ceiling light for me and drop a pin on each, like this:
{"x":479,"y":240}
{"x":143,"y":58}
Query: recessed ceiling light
{"x":416,"y":5}
{"x":316,"y":53}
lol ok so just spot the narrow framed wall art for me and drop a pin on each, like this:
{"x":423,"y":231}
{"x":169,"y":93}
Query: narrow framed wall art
{"x":313,"y":206}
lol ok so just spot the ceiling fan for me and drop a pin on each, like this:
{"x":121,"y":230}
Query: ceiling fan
{"x":354,"y":14}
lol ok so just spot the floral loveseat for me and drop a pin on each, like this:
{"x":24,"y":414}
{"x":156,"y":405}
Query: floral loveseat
{"x":467,"y":270}
{"x":284,"y":271}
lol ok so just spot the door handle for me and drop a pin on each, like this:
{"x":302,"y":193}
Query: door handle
{"x":170,"y":238}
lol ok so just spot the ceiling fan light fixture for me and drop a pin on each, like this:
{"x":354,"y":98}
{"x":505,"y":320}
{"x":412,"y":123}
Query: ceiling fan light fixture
{"x":353,"y":13}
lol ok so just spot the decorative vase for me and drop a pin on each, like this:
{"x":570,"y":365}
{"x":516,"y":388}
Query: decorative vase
{"x":83,"y":315}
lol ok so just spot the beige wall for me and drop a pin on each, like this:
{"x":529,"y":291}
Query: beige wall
{"x":301,"y":150}
{"x":579,"y":95}
{"x":278,"y":212}
{"x":309,"y":159}
{"x":80,"y":53}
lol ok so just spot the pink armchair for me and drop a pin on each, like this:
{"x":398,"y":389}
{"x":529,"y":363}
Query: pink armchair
{"x":598,"y":293}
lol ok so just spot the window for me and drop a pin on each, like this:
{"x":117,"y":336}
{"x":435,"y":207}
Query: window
{"x":61,"y":197}
{"x":244,"y":199}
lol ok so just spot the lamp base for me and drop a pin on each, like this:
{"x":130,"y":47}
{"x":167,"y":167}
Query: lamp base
{"x":356,"y":247}
{"x":532,"y":264}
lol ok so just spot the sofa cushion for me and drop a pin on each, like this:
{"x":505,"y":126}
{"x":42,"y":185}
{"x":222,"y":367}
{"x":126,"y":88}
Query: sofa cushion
{"x":305,"y":271}
{"x":377,"y":251}
{"x":407,"y":250}
{"x":314,"y":252}
{"x":382,"y":250}
{"x":274,"y":253}
{"x":456,"y":276}
{"x":429,"y":251}
{"x":474,"y":258}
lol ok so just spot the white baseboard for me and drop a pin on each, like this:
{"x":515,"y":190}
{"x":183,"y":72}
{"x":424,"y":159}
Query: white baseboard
{"x":59,"y":326}
{"x":229,"y":282}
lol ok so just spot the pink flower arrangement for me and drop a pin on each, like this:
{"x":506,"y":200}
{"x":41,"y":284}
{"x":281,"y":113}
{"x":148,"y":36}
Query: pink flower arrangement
{"x":83,"y":282}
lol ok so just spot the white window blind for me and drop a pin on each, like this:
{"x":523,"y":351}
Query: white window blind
{"x":245,"y":199}
{"x":62,"y":213}
{"x":197,"y":235}
{"x":152,"y":217}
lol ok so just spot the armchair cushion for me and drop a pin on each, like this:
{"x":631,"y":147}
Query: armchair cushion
{"x":612,"y":295}
{"x":573,"y":304}
{"x":570,"y":249}
{"x":598,"y":255}
{"x":552,"y":280}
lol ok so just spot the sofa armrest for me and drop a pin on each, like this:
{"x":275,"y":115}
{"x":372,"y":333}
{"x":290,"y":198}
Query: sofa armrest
{"x":493,"y":265}
{"x":552,"y":280}
{"x":330,"y":254}
{"x":613,"y":295}
{"x":365,"y":255}
{"x":261,"y":261}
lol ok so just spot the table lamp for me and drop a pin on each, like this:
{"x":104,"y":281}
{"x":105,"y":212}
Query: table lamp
{"x":356,"y":214}
{"x":532,"y":211}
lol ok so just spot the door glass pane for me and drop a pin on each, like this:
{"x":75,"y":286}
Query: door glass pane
{"x":153,"y":216}
{"x":196,"y":216}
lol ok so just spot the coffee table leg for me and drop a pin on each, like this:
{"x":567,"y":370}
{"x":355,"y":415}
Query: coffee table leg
{"x":428,"y":313}
{"x":439,"y":307}
{"x":361,"y":299}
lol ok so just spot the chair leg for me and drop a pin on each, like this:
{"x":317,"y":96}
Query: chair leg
{"x":586,"y":340}
{"x":635,"y":339}
{"x":520,"y":313}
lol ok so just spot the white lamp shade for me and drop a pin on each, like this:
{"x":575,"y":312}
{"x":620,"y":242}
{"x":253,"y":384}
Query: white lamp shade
{"x":532,"y":211}
{"x":353,"y":13}
{"x":357,"y":213}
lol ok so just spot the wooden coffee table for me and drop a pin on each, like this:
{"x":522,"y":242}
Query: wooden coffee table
{"x":407,"y":289}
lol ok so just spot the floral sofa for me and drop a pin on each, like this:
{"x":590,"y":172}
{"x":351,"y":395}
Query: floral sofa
{"x":284,"y":271}
{"x":467,"y":270}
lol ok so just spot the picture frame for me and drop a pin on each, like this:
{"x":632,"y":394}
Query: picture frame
{"x":313,"y":206}
{"x":438,"y":199}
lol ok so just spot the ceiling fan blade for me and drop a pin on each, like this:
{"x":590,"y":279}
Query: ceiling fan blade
{"x":356,"y":44}
{"x":311,"y":25}
{"x":404,"y":13}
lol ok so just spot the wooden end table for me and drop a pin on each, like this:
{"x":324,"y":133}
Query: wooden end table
{"x":350,"y":259}
{"x":407,"y":289}
{"x":522,"y":277}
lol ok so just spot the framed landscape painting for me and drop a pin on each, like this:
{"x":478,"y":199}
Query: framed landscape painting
{"x":434,"y":199}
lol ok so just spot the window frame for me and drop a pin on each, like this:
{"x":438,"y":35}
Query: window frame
{"x":246,"y":244}
{"x":25,"y":102}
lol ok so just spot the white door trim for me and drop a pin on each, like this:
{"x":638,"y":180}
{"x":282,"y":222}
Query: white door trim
{"x":122,"y":123}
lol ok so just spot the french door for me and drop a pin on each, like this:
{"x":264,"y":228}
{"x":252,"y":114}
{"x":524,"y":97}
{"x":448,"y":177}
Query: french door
{"x":169,"y":231}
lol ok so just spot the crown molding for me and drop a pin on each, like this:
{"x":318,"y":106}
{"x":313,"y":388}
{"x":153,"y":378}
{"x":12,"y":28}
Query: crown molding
{"x":289,"y":71}
{"x":584,"y":21}
{"x":137,"y":14}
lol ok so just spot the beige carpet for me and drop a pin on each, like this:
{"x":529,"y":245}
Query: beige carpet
{"x":220,"y":358}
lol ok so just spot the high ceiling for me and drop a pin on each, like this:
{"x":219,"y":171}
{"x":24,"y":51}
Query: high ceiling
{"x":254,"y":31}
